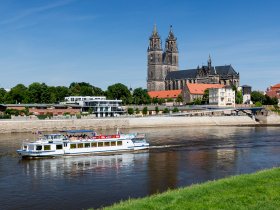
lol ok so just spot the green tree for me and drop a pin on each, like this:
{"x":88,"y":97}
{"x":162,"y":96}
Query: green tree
{"x":175,"y":110}
{"x":141,"y":96}
{"x":258,"y":104}
{"x":257,"y":96}
{"x":145,"y":110}
{"x":238,"y":97}
{"x":161,"y":101}
{"x":84,"y":89}
{"x":118,"y":91}
{"x":205,"y":97}
{"x":169,"y":100}
{"x":2,"y":95}
{"x":130,"y":111}
{"x":90,"y":110}
{"x":166,"y":110}
{"x":17,"y":94}
{"x":179,"y":99}
{"x":137,"y":111}
{"x":197,"y":101}
{"x":157,"y":110}
{"x":154,"y":100}
{"x":61,"y":93}
{"x":34,"y":92}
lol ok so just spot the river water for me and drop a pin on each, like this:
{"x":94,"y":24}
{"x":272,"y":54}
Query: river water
{"x":178,"y":157}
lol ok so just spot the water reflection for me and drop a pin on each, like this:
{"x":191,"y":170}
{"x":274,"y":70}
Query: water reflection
{"x":80,"y":165}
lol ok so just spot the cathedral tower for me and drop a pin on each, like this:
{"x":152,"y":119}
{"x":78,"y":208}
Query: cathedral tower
{"x":170,"y":55}
{"x":155,"y":75}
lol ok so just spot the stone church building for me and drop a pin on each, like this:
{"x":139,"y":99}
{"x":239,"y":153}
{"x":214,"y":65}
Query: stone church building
{"x":164,"y":73}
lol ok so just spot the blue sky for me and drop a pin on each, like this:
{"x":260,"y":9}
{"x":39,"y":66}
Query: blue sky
{"x":105,"y":41}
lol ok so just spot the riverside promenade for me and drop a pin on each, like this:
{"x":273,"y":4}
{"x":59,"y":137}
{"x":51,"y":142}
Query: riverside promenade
{"x":15,"y":126}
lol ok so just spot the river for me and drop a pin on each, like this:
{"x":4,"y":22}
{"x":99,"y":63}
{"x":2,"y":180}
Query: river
{"x":178,"y":157}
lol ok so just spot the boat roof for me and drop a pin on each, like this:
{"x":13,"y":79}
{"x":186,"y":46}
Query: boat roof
{"x":77,"y":131}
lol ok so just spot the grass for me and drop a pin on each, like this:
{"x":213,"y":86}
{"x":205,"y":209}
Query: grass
{"x":260,"y":190}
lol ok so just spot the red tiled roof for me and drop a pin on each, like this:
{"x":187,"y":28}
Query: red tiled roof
{"x":275,"y":87}
{"x":199,"y":89}
{"x":273,"y":94}
{"x":164,"y":94}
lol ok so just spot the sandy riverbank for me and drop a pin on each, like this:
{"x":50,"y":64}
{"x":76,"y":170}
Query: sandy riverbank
{"x":9,"y":126}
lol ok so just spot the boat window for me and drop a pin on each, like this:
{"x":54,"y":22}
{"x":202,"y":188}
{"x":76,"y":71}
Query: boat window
{"x":87,"y":145}
{"x":47,"y":147}
{"x":119,"y":143}
{"x":73,"y":146}
{"x":94,"y":144}
{"x":113,"y":143}
{"x":80,"y":145}
{"x":25,"y":146}
{"x":100,"y":144}
{"x":30,"y":147}
{"x":107,"y":144}
{"x":59,"y":146}
{"x":38,"y":147}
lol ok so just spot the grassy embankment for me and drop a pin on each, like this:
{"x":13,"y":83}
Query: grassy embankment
{"x":260,"y":190}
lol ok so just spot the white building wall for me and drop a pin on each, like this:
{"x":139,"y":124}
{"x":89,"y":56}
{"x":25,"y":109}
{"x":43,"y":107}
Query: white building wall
{"x":222,"y":96}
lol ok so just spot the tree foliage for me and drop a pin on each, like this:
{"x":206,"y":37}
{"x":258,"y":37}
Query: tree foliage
{"x":119,"y":91}
{"x":205,"y":97}
{"x":141,"y":96}
{"x":130,"y":111}
{"x":145,"y":110}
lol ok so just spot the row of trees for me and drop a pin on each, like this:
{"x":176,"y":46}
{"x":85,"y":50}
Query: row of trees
{"x":42,"y":93}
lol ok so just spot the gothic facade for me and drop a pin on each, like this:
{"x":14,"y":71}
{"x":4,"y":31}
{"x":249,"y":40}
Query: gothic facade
{"x":163,"y":69}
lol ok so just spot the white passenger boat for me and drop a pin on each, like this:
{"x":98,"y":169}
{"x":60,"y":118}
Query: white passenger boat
{"x":77,"y":142}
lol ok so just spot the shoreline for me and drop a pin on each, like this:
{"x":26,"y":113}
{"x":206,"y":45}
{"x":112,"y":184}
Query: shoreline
{"x":225,"y":193}
{"x":20,"y":126}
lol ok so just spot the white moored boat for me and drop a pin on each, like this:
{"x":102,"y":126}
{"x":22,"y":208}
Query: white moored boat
{"x":77,"y":142}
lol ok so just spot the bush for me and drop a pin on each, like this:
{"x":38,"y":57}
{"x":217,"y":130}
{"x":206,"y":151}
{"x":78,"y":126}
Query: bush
{"x":42,"y":116}
{"x":5,"y":116}
{"x":130,"y":111}
{"x":166,"y":110}
{"x":175,"y":110}
{"x":137,"y":111}
{"x":145,"y":110}
{"x":258,"y":104}
{"x":157,"y":110}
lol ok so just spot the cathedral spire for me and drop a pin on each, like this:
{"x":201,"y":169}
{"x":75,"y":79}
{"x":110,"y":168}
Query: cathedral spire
{"x":155,"y":30}
{"x":171,"y":41}
{"x":209,"y":62}
{"x":155,"y":42}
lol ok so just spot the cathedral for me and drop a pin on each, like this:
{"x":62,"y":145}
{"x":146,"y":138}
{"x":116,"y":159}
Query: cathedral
{"x":164,"y":73}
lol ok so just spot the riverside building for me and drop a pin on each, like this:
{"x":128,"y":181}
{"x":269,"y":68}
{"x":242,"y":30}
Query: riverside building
{"x":97,"y":105}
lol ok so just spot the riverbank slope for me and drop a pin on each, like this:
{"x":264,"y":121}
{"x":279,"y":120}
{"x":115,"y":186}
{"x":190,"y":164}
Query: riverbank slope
{"x":254,"y":191}
{"x":15,"y":126}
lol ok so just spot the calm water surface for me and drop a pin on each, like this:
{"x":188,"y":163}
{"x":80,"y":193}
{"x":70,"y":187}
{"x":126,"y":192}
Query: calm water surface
{"x":178,"y":157}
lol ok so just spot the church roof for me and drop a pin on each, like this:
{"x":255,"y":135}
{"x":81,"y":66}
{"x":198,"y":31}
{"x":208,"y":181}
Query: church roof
{"x":190,"y":73}
{"x":164,"y":93}
{"x":223,"y":71}
{"x":198,"y":89}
